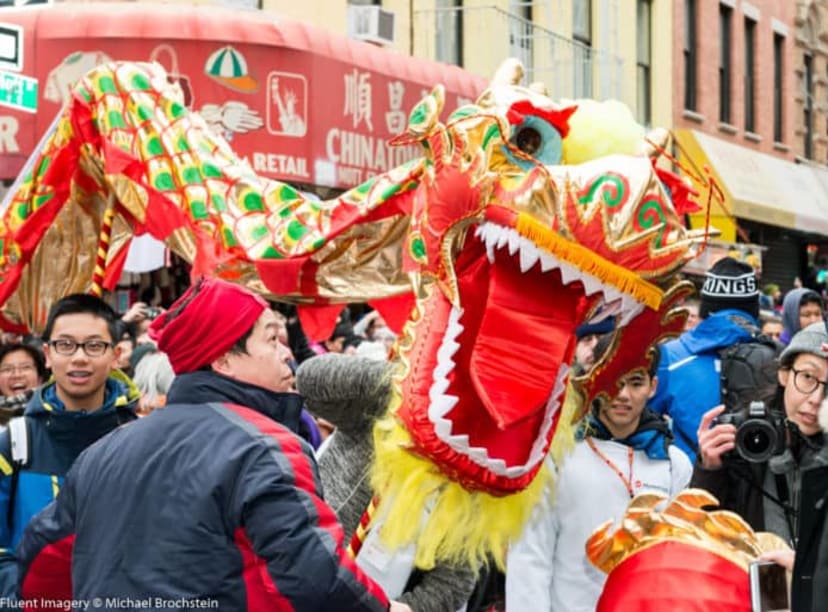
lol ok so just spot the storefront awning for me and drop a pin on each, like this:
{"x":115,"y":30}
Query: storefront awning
{"x":300,"y":103}
{"x":760,"y":187}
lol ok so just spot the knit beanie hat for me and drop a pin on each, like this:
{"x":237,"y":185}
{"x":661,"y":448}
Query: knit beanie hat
{"x":729,"y":284}
{"x":604,"y":326}
{"x":349,"y":391}
{"x":808,"y":340}
{"x":205,"y":323}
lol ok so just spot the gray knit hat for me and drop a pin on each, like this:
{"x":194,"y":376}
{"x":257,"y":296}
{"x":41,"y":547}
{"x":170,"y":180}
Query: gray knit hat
{"x":808,"y":340}
{"x":349,"y":391}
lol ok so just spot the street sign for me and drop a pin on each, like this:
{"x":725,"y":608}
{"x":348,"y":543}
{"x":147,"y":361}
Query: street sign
{"x":18,"y":91}
{"x":19,"y":3}
{"x":11,"y":47}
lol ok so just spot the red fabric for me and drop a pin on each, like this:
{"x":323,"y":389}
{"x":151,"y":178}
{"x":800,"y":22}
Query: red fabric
{"x":318,"y":322}
{"x":558,"y":118}
{"x":113,"y":271}
{"x":395,"y":310}
{"x":209,"y":324}
{"x":262,"y":593}
{"x":303,"y":474}
{"x":49,"y":577}
{"x":677,"y":577}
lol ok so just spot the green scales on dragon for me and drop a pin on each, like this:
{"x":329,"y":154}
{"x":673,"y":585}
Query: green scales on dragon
{"x":521,"y":220}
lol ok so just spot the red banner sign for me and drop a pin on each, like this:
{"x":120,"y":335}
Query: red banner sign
{"x":298,"y":103}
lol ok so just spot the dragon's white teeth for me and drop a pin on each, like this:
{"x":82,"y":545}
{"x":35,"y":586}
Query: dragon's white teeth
{"x":528,"y":258}
{"x":490,"y":249}
{"x":438,"y":389}
{"x":502,"y":238}
{"x":548,"y":262}
{"x":569,"y":274}
{"x":591,"y":284}
{"x":514,"y":243}
{"x":442,"y":427}
{"x":612,"y":295}
{"x":630,"y":313}
{"x":478,"y":454}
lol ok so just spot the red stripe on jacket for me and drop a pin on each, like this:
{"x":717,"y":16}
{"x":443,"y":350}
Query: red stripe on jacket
{"x":262,"y":592}
{"x":302,"y":468}
{"x":49,"y":577}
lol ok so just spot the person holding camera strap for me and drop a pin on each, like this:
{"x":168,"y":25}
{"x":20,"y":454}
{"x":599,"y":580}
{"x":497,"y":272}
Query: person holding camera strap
{"x":753,"y":460}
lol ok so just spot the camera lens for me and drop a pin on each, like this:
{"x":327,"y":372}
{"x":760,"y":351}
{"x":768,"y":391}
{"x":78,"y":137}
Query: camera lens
{"x":756,"y":440}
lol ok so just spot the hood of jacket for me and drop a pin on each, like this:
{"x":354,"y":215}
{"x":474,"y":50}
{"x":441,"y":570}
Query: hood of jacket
{"x":203,"y":387}
{"x":790,"y":311}
{"x":83,"y":428}
{"x":721,"y":329}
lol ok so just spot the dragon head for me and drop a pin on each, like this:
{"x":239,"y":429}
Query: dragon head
{"x":511,"y":251}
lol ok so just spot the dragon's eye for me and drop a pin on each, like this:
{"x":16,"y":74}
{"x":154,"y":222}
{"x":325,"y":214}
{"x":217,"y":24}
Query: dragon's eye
{"x":528,"y":140}
{"x":536,"y":138}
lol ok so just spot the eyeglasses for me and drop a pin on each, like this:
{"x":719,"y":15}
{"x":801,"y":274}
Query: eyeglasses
{"x":23,"y":368}
{"x":92,"y":348}
{"x":807,"y":383}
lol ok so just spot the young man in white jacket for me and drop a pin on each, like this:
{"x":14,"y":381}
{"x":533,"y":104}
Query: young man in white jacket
{"x":623,"y":449}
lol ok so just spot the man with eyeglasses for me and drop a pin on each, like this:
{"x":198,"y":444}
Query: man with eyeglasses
{"x":766,"y":494}
{"x":86,"y":398}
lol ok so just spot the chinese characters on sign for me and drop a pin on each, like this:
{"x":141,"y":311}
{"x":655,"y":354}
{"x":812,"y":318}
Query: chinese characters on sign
{"x":358,"y":98}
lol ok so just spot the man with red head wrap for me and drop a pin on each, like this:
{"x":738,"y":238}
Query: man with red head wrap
{"x":212,"y":499}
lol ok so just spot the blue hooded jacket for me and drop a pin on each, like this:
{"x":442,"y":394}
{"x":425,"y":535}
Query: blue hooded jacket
{"x":56,"y":438}
{"x":688,"y":374}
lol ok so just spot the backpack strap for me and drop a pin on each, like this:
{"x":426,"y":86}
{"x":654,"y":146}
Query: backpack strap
{"x":18,"y":429}
{"x":19,"y":441}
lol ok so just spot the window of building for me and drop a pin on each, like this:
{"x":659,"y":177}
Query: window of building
{"x":778,"y":100}
{"x":725,"y":38}
{"x":808,"y":118}
{"x":521,"y":34}
{"x":449,"y":43}
{"x":690,"y":43}
{"x":582,"y":51}
{"x":644,"y":35}
{"x":750,"y":75}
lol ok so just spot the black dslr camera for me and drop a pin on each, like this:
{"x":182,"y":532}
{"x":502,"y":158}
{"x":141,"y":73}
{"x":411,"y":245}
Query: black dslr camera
{"x":760,"y":433}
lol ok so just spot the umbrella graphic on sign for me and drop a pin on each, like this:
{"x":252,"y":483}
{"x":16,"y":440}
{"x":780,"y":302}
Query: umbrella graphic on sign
{"x":228,"y":67}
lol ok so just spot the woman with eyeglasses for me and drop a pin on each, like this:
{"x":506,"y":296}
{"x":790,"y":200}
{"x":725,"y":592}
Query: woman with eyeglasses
{"x":767,"y":493}
{"x":22,"y":368}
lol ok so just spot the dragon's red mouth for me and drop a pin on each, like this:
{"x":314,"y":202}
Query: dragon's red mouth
{"x":503,"y":359}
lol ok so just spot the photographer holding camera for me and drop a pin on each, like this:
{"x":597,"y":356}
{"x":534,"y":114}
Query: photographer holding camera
{"x":752,"y":460}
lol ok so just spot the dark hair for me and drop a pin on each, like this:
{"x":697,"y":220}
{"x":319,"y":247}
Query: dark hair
{"x":31,"y":351}
{"x":604,"y":342}
{"x":811,"y":297}
{"x":240,"y":345}
{"x":82,"y":303}
{"x":126,"y":331}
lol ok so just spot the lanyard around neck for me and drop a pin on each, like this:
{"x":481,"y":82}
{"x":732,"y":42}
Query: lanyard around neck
{"x":628,"y":481}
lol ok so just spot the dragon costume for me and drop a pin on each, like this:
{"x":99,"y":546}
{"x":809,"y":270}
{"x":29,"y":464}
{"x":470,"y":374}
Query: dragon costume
{"x":510,"y":231}
{"x":673,"y":554}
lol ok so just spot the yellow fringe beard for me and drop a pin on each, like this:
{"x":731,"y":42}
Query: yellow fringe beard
{"x":446,"y":522}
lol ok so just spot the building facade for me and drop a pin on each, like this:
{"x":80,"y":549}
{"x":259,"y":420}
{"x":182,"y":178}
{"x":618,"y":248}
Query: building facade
{"x":738,"y":117}
{"x":577,"y":48}
{"x":810,"y":61}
